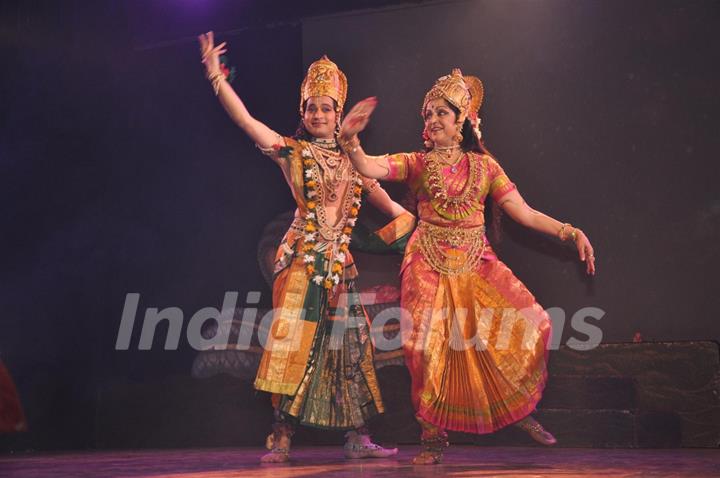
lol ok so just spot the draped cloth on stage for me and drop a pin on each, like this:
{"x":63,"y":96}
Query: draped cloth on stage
{"x":12,"y":418}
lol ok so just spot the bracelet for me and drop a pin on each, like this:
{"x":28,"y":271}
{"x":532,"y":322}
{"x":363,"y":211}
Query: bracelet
{"x":561,"y":232}
{"x":215,"y":78}
{"x":349,"y":145}
{"x":564,"y":235}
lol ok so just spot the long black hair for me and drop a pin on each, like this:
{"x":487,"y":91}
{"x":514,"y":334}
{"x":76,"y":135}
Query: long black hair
{"x":470,"y":142}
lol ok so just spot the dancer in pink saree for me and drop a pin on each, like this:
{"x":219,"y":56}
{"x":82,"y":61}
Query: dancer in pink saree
{"x":477,"y":348}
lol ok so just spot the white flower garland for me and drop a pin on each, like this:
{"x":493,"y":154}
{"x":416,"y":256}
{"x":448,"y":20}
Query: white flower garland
{"x":332,"y":276}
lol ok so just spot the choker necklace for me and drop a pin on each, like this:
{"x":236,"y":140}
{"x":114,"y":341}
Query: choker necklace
{"x":330,"y":143}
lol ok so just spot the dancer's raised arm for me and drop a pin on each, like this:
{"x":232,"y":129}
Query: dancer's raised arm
{"x":260,"y":133}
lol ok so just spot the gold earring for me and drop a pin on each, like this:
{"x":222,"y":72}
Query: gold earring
{"x":426,"y":139}
{"x":458,"y":136}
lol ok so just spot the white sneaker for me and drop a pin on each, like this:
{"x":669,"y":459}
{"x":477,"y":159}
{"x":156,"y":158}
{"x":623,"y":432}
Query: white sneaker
{"x":360,"y":446}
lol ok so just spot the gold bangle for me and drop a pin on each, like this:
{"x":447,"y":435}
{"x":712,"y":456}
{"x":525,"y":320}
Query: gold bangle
{"x":561,"y":233}
{"x":215,"y":78}
{"x":575,"y":234}
{"x":350,"y":145}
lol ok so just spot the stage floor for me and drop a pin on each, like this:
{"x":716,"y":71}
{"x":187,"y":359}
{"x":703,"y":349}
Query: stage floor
{"x":309,"y":462}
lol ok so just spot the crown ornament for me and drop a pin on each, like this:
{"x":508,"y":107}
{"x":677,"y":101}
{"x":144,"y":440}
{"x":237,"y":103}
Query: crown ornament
{"x":463,"y":92}
{"x":324,"y":78}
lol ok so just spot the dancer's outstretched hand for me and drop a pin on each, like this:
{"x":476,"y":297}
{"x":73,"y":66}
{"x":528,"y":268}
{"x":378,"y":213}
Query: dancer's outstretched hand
{"x":586,"y":251}
{"x":211,"y":53}
{"x":358,"y":117}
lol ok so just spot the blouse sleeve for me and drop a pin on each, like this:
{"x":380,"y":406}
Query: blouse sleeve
{"x":500,"y":184}
{"x":400,"y":165}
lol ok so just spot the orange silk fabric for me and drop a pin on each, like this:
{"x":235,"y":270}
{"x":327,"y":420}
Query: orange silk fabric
{"x":475,"y":343}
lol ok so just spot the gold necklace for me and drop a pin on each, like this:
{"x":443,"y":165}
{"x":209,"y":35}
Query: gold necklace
{"x":446,"y":152}
{"x":452,"y":163}
{"x":327,"y":231}
{"x":452,"y":206}
{"x":336,"y":239}
{"x":334,"y":166}
{"x":325,"y":143}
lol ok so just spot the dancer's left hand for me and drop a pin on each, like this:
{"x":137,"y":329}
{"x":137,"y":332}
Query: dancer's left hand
{"x":586,"y":251}
{"x":358,"y":117}
{"x":210,"y":52}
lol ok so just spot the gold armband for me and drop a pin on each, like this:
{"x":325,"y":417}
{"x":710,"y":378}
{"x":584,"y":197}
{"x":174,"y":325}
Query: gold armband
{"x":272,"y":151}
{"x":371,"y":185}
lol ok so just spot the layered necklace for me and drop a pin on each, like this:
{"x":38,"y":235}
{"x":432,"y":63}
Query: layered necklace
{"x":446,"y":153}
{"x":324,"y":170}
{"x":467,"y":201}
{"x":334,"y":165}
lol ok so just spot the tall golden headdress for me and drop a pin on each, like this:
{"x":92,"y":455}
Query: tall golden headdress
{"x":463,"y":92}
{"x":324,"y":78}
{"x":477,"y":93}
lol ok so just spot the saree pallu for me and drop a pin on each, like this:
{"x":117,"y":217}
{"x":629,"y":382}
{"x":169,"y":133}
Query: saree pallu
{"x":477,"y":346}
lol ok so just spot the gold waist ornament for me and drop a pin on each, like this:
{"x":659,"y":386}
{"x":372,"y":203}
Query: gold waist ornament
{"x":326,"y":233}
{"x":451,"y":250}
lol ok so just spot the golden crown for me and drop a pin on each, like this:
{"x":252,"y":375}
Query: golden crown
{"x":477,"y":93}
{"x":463,"y":92}
{"x":324,"y":78}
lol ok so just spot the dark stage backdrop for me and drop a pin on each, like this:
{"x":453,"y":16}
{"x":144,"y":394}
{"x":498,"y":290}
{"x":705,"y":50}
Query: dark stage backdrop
{"x":121,"y":173}
{"x":605,"y":114}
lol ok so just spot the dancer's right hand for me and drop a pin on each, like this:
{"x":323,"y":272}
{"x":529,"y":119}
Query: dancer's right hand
{"x":358,"y":117}
{"x":211,"y":53}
